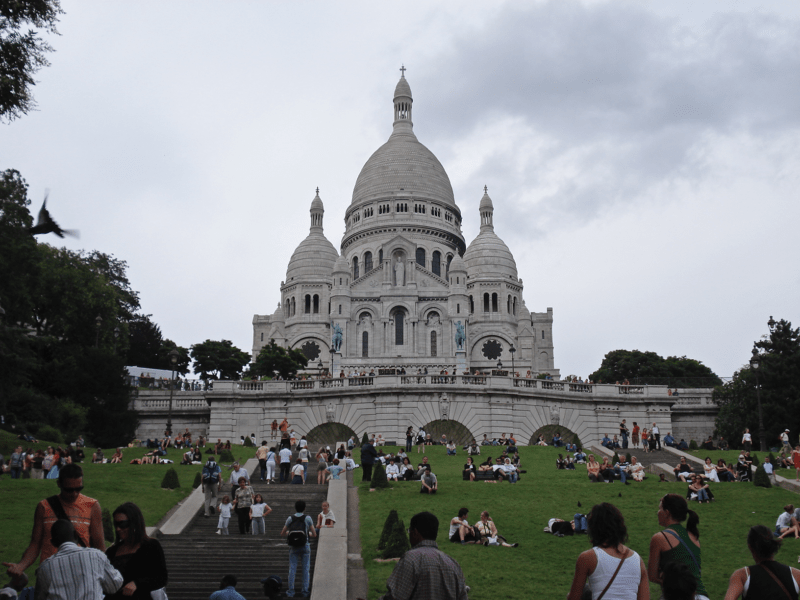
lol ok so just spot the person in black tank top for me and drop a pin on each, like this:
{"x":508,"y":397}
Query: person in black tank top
{"x":766,"y":579}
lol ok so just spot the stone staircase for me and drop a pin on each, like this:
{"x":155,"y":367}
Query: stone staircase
{"x":197,"y":559}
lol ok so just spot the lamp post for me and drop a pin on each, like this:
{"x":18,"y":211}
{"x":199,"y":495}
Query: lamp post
{"x":499,"y":366}
{"x":173,"y":359}
{"x":98,"y":322}
{"x":513,"y":370}
{"x":754,"y":364}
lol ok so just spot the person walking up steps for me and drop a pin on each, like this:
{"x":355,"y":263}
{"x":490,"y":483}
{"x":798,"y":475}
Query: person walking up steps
{"x":298,"y":528}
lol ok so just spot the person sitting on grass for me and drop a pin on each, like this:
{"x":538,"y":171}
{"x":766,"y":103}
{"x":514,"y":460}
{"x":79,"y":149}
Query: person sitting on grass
{"x":487,"y":465}
{"x":429,"y":483}
{"x":593,"y":470}
{"x":572,"y":448}
{"x":682,"y":471}
{"x":636,"y":469}
{"x":468,"y":473}
{"x":98,"y":457}
{"x":117,"y":457}
{"x":460,"y":530}
{"x":580,"y":456}
{"x":698,"y":490}
{"x":560,"y":462}
{"x":451,"y":448}
{"x":406,"y":470}
{"x":392,"y":471}
{"x":488,"y":532}
{"x":421,"y":468}
{"x":509,"y":471}
{"x":787,"y":524}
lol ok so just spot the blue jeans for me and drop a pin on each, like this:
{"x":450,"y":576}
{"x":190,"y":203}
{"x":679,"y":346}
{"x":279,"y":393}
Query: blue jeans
{"x":624,"y":440}
{"x":702,"y":494}
{"x":258,"y":525}
{"x":580,"y":522}
{"x":513,"y":477}
{"x":15,"y":472}
{"x":451,"y":453}
{"x":296,"y":554}
{"x":622,"y":474}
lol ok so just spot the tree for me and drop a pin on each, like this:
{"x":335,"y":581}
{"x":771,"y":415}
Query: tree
{"x":778,"y":373}
{"x":273,"y":358}
{"x":145,"y":343}
{"x":218,"y":360}
{"x":650,"y":368}
{"x":165,"y":361}
{"x":22,"y":53}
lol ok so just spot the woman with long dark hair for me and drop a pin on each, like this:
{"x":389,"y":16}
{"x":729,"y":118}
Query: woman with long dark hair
{"x":676,"y":543}
{"x":137,"y":556}
{"x":767,"y":578}
{"x":613,"y":570}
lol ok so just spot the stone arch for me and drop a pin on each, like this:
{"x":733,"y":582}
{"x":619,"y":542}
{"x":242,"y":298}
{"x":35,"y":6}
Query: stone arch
{"x":547,"y":431}
{"x":454,"y":430}
{"x":478,"y":343}
{"x":327,"y":434}
{"x":301,"y":338}
{"x":367,"y":262}
{"x":360,"y":309}
{"x":436,"y":263}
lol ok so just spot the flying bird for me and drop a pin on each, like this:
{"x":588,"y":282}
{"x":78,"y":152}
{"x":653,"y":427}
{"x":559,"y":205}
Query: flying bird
{"x":46,"y":224}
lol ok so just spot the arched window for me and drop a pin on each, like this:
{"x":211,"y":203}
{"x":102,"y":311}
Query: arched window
{"x":471,"y":305}
{"x":449,"y":260}
{"x":368,"y":262}
{"x":316,"y":304}
{"x":308,"y":304}
{"x":486,"y":302}
{"x":514,"y":306}
{"x":355,"y":267}
{"x":399,"y":317}
{"x":508,"y":305}
{"x":433,"y":343}
{"x":458,"y":309}
{"x":380,"y":256}
{"x":494,"y":302}
{"x":436,"y":264}
{"x":262,"y":336}
{"x":421,"y":256}
{"x":365,"y":345}
{"x":340,"y":309}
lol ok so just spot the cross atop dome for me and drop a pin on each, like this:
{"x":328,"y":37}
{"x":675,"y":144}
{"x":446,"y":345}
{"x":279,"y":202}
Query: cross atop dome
{"x":403,"y":71}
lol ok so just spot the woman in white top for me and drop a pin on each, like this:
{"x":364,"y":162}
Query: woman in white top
{"x":711,"y":470}
{"x":613,"y":570}
{"x":637,"y":469}
{"x":392,"y":471}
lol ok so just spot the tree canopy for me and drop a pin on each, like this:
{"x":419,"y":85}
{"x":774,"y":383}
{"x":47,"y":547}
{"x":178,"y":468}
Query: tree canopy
{"x":779,"y":381}
{"x":218,"y":360}
{"x":23,"y":52}
{"x":650,"y":368}
{"x":276,"y":359}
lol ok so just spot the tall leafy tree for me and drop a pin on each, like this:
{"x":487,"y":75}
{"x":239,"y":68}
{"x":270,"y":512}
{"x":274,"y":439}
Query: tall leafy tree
{"x":145,"y":343}
{"x":276,"y":359}
{"x":23,"y":52}
{"x":218,"y":360}
{"x":165,"y":362}
{"x":649,"y":367}
{"x":777,"y":377}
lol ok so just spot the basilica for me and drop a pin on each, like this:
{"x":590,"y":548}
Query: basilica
{"x":404,"y":290}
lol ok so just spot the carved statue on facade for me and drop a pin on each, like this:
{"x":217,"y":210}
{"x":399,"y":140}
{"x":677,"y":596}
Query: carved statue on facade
{"x":336,"y":340}
{"x":399,"y":272}
{"x":444,"y":406}
{"x":554,"y":414}
{"x":330,"y":412}
{"x":461,"y":336}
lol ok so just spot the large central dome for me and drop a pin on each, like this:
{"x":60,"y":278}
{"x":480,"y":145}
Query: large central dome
{"x":403,"y":164}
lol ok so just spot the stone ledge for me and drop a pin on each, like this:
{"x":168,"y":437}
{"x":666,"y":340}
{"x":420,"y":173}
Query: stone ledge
{"x":330,"y":567}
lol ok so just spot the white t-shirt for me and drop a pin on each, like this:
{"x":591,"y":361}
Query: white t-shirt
{"x":302,"y":443}
{"x":242,"y":472}
{"x":258,"y":509}
{"x":225,"y":510}
{"x":654,"y":430}
{"x":784,"y":520}
{"x":746,"y":438}
{"x":785,"y":437}
{"x":327,"y":515}
{"x":392,"y":470}
{"x":286,"y":455}
{"x":298,"y":470}
{"x":454,"y":527}
{"x":768,"y":468}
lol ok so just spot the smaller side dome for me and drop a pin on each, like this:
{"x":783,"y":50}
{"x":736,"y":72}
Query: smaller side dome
{"x":403,"y":89}
{"x":457,"y":265}
{"x":277,"y":316}
{"x":486,"y":201}
{"x":341,"y":265}
{"x":315,"y":256}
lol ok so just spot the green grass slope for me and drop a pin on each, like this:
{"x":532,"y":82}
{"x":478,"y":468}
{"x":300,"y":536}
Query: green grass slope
{"x":543,"y":565}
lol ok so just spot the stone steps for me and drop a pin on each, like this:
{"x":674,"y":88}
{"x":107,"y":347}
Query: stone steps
{"x":198,"y":558}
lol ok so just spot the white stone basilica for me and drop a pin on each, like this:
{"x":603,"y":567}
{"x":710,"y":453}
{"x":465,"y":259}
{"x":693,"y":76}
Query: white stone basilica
{"x":406,"y":291}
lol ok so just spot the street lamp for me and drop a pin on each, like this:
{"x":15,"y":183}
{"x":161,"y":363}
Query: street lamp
{"x":513,"y":370}
{"x":98,"y":322}
{"x":173,"y":359}
{"x":771,"y":323}
{"x":499,"y":365}
{"x":754,"y":364}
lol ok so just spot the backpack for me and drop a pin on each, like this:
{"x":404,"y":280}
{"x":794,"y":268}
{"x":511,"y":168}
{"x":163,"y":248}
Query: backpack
{"x":211,"y":472}
{"x":298,"y":534}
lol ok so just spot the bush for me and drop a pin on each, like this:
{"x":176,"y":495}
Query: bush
{"x":628,"y":457}
{"x":387,"y":529}
{"x":754,"y":458}
{"x":761,"y":478}
{"x":48,"y":433}
{"x":364,"y":439}
{"x":197,"y":480}
{"x":379,"y":477}
{"x":170,"y":481}
{"x":108,"y":526}
{"x":248,"y":442}
{"x":772,"y":459}
{"x":615,"y":459}
{"x":225,"y":456}
{"x":398,"y":543}
{"x":692,"y":445}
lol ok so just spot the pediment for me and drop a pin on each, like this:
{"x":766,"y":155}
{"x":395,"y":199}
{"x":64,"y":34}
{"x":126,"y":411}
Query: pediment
{"x":399,"y":242}
{"x":426,"y":281}
{"x":370,"y":281}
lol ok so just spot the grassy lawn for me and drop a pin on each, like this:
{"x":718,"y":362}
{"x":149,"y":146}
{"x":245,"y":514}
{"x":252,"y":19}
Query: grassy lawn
{"x":543,"y":565}
{"x":110,"y":484}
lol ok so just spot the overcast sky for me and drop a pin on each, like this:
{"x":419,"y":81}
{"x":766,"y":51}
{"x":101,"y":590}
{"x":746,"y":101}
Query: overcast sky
{"x":643,"y":160}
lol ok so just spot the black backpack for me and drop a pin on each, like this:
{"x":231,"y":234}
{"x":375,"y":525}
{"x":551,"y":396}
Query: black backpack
{"x":298,"y":534}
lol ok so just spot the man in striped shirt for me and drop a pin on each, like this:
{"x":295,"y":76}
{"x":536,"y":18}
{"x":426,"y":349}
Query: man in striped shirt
{"x":425,"y":572}
{"x":74,"y":572}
